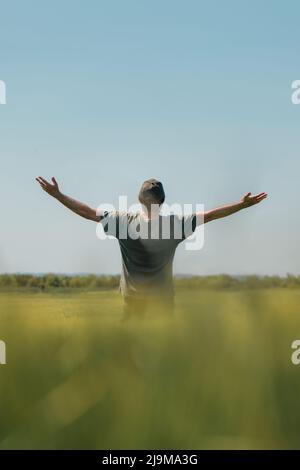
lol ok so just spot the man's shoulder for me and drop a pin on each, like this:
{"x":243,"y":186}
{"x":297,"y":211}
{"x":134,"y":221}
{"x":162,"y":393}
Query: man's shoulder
{"x":127,"y":216}
{"x":119,"y":214}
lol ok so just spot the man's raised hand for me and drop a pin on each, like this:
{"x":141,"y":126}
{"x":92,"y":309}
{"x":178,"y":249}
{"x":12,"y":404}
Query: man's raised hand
{"x":249,"y":200}
{"x":50,"y":188}
{"x":75,"y":206}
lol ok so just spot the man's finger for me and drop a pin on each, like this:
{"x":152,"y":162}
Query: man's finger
{"x":43,"y":180}
{"x":261,"y":198}
{"x":54,"y":181}
{"x":40,"y":182}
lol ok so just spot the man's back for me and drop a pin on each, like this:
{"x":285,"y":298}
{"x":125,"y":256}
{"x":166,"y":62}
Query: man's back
{"x":147,"y":247}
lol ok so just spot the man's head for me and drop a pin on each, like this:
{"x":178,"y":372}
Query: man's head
{"x":151,"y":192}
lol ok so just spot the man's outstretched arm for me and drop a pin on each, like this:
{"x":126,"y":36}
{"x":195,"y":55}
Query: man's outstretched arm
{"x":78,"y":207}
{"x":247,"y":201}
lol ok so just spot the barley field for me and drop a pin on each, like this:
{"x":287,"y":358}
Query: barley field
{"x":217,"y":375}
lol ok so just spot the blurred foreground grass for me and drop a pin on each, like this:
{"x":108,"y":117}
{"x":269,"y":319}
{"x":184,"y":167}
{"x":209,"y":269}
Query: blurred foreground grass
{"x":217,"y":375}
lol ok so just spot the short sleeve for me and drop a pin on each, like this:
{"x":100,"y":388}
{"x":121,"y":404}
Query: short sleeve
{"x":110,"y":223}
{"x":189,"y":225}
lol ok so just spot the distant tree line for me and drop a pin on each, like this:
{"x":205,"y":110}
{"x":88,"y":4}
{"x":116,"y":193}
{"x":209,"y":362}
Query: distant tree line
{"x":224,"y":281}
{"x":56,"y":281}
{"x":50,"y":281}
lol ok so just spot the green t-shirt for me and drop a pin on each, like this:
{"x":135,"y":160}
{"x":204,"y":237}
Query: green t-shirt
{"x":147,"y":249}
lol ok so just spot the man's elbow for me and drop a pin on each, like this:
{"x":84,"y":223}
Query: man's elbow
{"x":89,"y":215}
{"x":208,"y":217}
{"x":93,"y":215}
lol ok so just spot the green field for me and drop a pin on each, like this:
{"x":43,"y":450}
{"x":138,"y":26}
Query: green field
{"x":217,"y":375}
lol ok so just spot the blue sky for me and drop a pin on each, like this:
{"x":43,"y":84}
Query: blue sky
{"x":103,"y":95}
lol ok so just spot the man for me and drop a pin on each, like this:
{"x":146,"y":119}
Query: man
{"x":147,"y":242}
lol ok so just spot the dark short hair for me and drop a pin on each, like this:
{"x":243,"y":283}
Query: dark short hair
{"x":151,"y":192}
